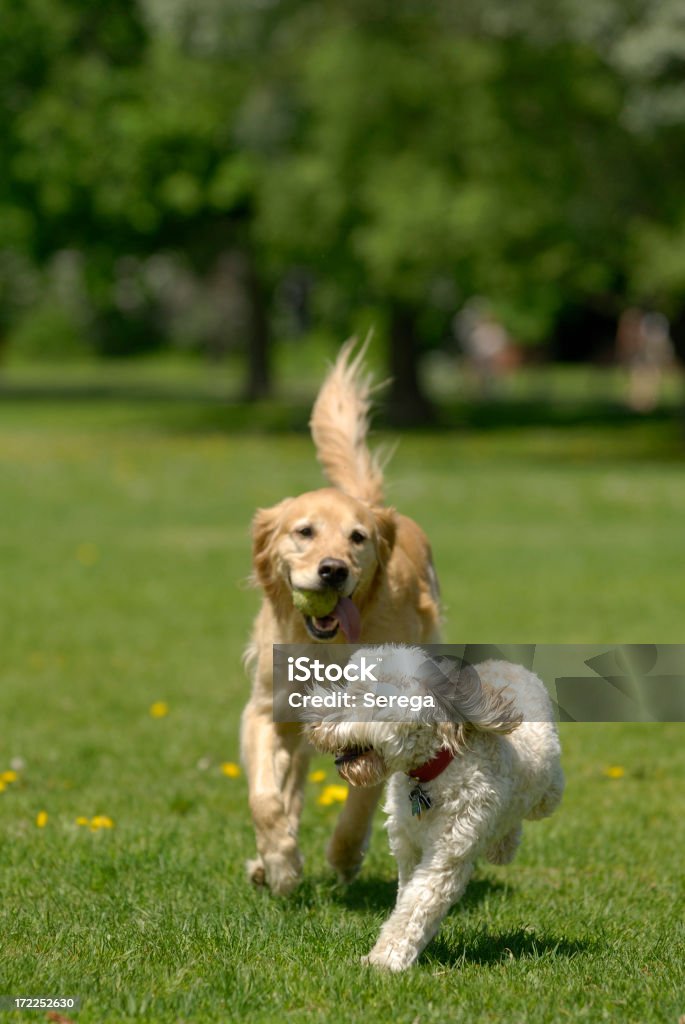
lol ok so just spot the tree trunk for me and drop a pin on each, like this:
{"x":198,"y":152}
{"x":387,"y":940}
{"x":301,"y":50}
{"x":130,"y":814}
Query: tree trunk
{"x":259,"y":379}
{"x":408,"y":404}
{"x":678,"y":336}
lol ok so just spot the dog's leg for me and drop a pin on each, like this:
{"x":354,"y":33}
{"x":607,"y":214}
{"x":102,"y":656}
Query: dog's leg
{"x":275,"y":768}
{"x":504,"y":850}
{"x":407,"y":855}
{"x":435,"y":886}
{"x":552,"y":797}
{"x":294,"y":779}
{"x":348,"y":844}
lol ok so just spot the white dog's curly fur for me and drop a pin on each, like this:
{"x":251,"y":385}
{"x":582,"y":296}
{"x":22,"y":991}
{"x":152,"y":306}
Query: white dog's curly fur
{"x":498,"y":724}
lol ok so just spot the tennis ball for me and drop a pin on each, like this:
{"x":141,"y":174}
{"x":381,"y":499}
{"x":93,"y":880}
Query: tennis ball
{"x":315,"y":603}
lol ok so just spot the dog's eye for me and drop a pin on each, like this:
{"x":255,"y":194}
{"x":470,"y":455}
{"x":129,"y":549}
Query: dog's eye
{"x":357,"y":537}
{"x":304,"y":531}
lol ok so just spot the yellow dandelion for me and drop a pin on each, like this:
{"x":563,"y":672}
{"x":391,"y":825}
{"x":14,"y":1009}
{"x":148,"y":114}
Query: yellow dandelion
{"x":615,"y":771}
{"x":3,"y":786}
{"x":87,"y":554}
{"x":82,"y":821}
{"x":101,"y":821}
{"x":318,"y":776}
{"x":332,"y":795}
{"x":159,"y":709}
{"x":8,"y":776}
{"x":231,"y":769}
{"x":41,"y":819}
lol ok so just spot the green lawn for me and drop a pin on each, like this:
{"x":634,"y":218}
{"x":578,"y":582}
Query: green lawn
{"x":123,"y":555}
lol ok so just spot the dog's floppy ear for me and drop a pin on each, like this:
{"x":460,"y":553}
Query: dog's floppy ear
{"x":265,"y":526}
{"x":463,"y":702}
{"x":386,"y":531}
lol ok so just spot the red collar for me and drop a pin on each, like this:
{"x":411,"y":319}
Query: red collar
{"x":431,"y":769}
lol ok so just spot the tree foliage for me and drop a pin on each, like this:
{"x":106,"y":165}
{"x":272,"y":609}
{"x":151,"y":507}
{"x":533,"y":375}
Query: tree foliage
{"x":400,"y":157}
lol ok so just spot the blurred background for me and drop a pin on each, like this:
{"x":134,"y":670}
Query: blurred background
{"x":207,"y":196}
{"x":199,"y":201}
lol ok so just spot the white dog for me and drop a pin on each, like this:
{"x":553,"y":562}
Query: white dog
{"x":470,"y":753}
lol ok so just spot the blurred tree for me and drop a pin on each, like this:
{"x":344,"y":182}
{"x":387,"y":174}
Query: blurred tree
{"x":125,"y":144}
{"x":650,"y":55}
{"x":400,"y":158}
{"x":436,"y":160}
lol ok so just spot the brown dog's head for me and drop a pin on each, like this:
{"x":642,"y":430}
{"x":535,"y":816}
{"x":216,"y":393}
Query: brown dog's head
{"x":324,"y":541}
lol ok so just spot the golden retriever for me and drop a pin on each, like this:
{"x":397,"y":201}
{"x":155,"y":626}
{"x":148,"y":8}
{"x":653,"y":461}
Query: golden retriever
{"x":379,"y":564}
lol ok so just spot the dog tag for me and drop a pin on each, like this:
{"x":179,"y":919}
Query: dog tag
{"x":420,"y":801}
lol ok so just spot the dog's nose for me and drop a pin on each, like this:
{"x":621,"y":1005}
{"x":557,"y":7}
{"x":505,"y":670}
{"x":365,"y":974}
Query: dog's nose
{"x":333,"y":572}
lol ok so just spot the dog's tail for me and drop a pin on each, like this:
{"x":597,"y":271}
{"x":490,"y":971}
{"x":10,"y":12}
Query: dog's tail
{"x":340,"y":424}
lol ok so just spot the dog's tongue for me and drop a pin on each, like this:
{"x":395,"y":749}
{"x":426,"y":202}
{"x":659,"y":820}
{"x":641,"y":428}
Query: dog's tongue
{"x":347,"y":615}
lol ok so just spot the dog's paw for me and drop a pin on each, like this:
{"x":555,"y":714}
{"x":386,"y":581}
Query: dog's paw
{"x":346,"y":873}
{"x":279,"y":873}
{"x":345,"y":859}
{"x":282,"y":872}
{"x":389,"y":959}
{"x":255,"y":871}
{"x":548,"y":804}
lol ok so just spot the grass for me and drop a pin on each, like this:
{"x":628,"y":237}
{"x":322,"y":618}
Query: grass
{"x":123,"y":547}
